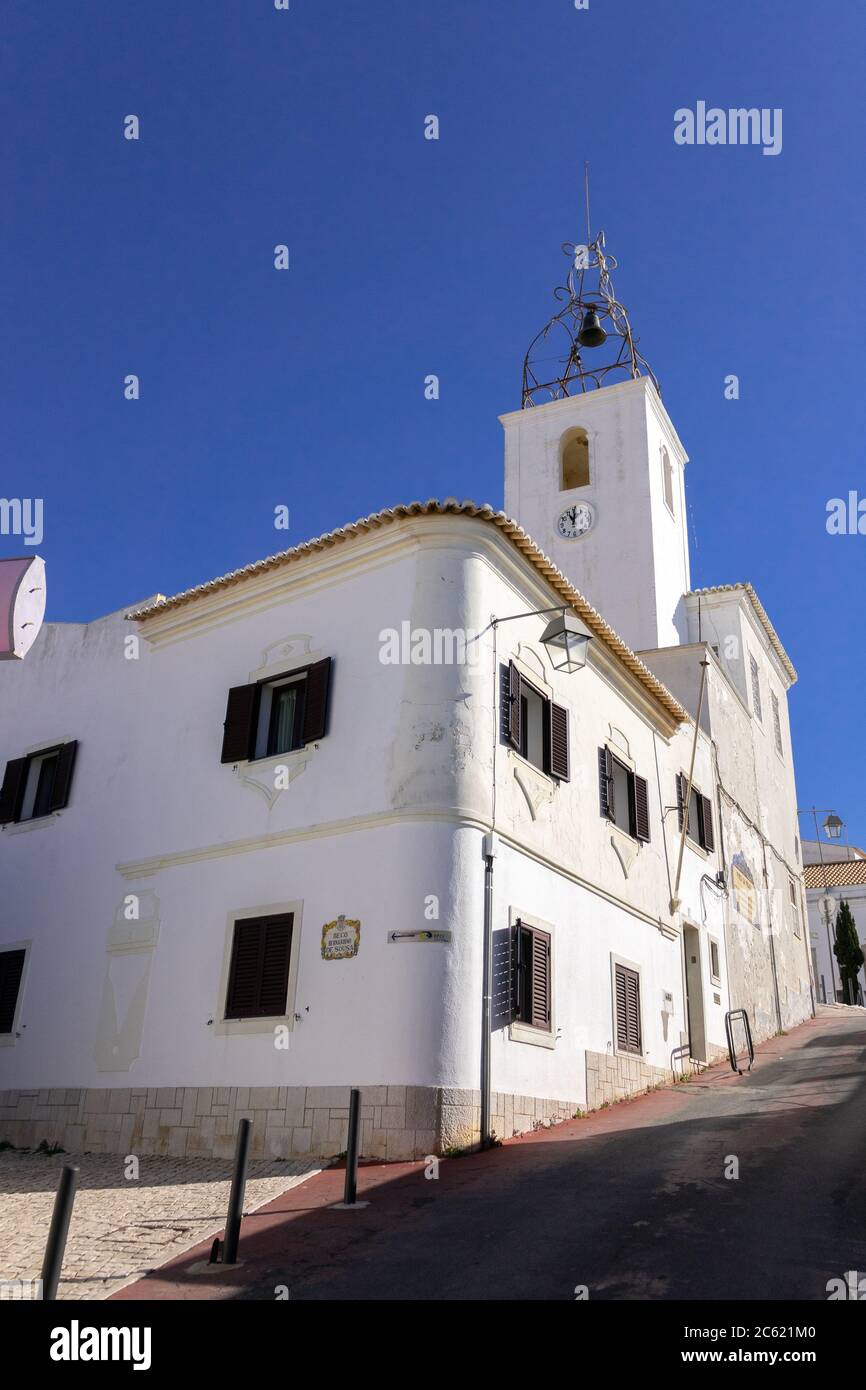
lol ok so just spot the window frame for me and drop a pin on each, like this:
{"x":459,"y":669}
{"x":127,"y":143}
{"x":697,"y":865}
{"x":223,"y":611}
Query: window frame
{"x":297,"y":742}
{"x":631,"y":967}
{"x":243,"y":732}
{"x":633,"y":832}
{"x":568,"y":438}
{"x":50,"y":754}
{"x":520,"y":1030}
{"x":555,"y":725}
{"x":715,"y":959}
{"x":667,"y":481}
{"x":230,"y":1027}
{"x":11,"y":1038}
{"x":757,"y":701}
{"x":777,"y":724}
{"x":700,"y":844}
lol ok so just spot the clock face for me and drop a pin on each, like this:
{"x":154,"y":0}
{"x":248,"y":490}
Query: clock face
{"x":575,"y":520}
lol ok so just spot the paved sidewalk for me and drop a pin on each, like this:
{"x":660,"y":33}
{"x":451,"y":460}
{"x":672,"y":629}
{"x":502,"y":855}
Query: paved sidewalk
{"x":634,"y":1202}
{"x":122,"y":1229}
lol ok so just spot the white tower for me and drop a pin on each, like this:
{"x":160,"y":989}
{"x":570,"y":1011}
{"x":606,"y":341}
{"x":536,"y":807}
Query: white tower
{"x":594,"y":472}
{"x":597,"y":480}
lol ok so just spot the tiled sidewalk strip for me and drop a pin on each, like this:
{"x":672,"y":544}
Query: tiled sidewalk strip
{"x":122,"y":1228}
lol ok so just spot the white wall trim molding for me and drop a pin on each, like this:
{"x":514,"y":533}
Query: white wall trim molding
{"x":144,"y":868}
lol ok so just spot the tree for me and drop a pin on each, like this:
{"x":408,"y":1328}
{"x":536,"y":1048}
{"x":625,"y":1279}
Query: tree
{"x":847,"y":951}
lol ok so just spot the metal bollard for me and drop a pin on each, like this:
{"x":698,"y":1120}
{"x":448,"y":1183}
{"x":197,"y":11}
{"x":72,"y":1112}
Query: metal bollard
{"x":350,"y":1195}
{"x":236,"y":1196}
{"x":58,"y":1231}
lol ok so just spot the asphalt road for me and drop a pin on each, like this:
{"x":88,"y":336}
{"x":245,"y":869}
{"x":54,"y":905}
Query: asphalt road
{"x":632,"y":1203}
{"x":646,"y":1211}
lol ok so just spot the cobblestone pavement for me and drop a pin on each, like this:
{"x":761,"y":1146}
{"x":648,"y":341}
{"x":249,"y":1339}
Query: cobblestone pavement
{"x":122,"y":1228}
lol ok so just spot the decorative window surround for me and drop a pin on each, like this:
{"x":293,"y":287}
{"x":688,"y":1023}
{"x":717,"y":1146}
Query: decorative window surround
{"x":232,"y":1027}
{"x":525,"y":1032}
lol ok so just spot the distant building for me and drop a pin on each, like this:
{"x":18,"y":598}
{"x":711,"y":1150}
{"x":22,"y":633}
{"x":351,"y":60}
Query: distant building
{"x":826,"y":886}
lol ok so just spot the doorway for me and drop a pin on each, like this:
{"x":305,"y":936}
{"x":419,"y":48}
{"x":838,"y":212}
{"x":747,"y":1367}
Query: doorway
{"x":695,"y":994}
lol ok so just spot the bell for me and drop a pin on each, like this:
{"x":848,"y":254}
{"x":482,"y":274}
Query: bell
{"x":591,"y":332}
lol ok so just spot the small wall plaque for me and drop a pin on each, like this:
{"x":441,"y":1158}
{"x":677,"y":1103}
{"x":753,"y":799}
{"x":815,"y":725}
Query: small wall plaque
{"x":341,"y":939}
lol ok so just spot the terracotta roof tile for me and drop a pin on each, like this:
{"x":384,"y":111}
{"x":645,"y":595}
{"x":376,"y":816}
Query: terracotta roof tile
{"x":763,"y":619}
{"x":841,"y":875}
{"x":450,"y":506}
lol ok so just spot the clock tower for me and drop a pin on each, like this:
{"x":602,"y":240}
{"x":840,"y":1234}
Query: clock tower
{"x":594,"y":469}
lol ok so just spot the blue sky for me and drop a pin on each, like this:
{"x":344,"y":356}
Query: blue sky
{"x":408,"y":257}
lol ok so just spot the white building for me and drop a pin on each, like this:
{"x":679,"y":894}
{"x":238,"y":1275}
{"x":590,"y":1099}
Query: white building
{"x":251,"y":859}
{"x":833,"y":873}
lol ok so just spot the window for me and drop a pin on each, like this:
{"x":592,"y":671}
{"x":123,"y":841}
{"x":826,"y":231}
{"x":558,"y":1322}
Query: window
{"x":277,"y":715}
{"x":531,"y":976}
{"x":535,"y":726}
{"x":756,"y":688}
{"x":628,"y":1033}
{"x":11,"y":970}
{"x":667,"y":480}
{"x":715,"y":969}
{"x":574,"y":460}
{"x":795,"y":906}
{"x":700,"y":818}
{"x":777,"y":722}
{"x":623,"y":796}
{"x":259,"y":970}
{"x":37,"y":785}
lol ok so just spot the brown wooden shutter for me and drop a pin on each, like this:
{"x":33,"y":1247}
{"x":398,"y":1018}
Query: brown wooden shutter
{"x":621,"y":1010}
{"x":316,"y":700}
{"x":633,"y":998}
{"x":539,"y":977}
{"x":641,"y":808}
{"x":558,"y":741}
{"x":605,"y":782}
{"x":681,"y":801}
{"x":513,"y":721}
{"x":11,"y":970}
{"x":709,"y":840}
{"x":12,"y":791}
{"x":518,"y":970}
{"x":244,"y":970}
{"x":275,"y":965}
{"x":63,"y":776}
{"x":628,"y":1035}
{"x":259,"y":970}
{"x":239,"y":729}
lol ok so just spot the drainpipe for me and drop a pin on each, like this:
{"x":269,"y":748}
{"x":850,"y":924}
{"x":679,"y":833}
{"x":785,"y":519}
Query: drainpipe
{"x":487,"y":995}
{"x":772,"y":928}
{"x":675,"y":900}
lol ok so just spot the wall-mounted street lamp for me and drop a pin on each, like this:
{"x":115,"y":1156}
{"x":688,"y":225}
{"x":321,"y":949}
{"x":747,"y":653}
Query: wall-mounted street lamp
{"x":833,"y":827}
{"x":566,"y":641}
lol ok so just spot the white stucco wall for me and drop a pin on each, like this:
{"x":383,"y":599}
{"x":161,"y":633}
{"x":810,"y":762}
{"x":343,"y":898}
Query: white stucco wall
{"x":385,"y":812}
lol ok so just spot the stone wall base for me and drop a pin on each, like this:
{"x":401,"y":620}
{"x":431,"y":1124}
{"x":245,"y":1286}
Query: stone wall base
{"x":397,"y":1122}
{"x":611,"y":1078}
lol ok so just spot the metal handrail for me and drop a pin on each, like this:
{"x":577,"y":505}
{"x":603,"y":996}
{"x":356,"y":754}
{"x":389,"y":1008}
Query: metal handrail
{"x":730,"y":1017}
{"x":678,"y":1054}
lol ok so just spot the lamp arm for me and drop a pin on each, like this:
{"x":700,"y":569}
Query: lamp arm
{"x":535,"y":613}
